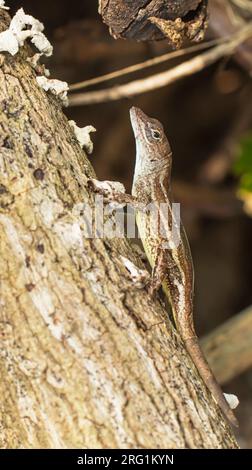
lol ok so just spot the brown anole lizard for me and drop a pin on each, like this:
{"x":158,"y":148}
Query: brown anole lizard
{"x":172,"y":267}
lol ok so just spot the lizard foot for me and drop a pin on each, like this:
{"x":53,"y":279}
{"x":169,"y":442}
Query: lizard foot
{"x":152,"y":287}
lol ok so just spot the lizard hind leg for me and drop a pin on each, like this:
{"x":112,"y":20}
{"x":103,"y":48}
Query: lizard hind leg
{"x":158,"y":272}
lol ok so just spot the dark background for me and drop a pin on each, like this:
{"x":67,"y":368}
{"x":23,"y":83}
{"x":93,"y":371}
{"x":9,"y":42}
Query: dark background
{"x":205,"y":117}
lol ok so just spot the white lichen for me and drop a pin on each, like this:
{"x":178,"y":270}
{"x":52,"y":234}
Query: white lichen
{"x":57,"y":87}
{"x":34,"y":61}
{"x":232,"y":400}
{"x":83,"y":136}
{"x":8,"y":42}
{"x":138,"y":276}
{"x":49,"y":209}
{"x":2,"y":5}
{"x":22,"y":27}
{"x":70,"y":234}
{"x":42,"y":299}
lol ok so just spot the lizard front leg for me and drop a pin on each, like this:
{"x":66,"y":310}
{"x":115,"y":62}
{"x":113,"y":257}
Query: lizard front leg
{"x":113,"y":191}
{"x":158,"y":272}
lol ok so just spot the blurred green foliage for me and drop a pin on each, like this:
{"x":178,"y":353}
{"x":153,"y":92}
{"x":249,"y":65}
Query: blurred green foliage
{"x":243,"y":164}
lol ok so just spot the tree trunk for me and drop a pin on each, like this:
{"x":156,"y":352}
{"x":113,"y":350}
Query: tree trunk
{"x":87,"y":359}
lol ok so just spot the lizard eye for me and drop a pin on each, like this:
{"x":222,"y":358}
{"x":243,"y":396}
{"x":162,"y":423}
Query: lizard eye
{"x":155,"y":134}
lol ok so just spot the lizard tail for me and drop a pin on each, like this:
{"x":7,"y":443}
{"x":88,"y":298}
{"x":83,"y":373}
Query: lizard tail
{"x":193,"y":348}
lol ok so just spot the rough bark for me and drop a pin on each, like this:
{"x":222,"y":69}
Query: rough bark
{"x":86,"y":358}
{"x":131,"y":19}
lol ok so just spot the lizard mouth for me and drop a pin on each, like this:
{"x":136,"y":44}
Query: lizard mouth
{"x":136,"y":117}
{"x":136,"y":112}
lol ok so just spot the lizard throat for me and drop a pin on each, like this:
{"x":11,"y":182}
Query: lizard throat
{"x":145,"y":167}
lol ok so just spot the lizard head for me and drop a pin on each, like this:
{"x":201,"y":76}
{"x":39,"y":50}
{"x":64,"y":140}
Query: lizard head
{"x":153,"y":151}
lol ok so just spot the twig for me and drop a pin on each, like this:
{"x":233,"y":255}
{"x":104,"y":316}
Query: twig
{"x":162,"y":79}
{"x":144,"y":64}
{"x":207,"y":200}
{"x":244,"y":4}
{"x":229,"y":347}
